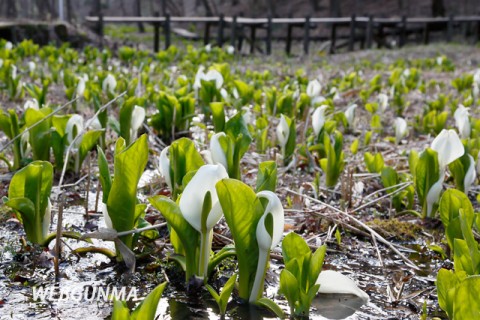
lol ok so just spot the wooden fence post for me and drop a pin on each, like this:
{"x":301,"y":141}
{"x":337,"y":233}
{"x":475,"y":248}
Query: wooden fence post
{"x":252,"y":38}
{"x":100,"y":27}
{"x":351,"y":41}
{"x":288,"y":48}
{"x":221,"y":26}
{"x":403,"y":31}
{"x":156,"y":33}
{"x":206,"y":35}
{"x":233,"y":37}
{"x":369,"y":32}
{"x":306,"y":35}
{"x":333,"y":37}
{"x":166,"y":30}
{"x":450,"y":28}
{"x":269,"y":35}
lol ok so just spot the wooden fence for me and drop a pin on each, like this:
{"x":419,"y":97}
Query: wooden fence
{"x":363,"y":30}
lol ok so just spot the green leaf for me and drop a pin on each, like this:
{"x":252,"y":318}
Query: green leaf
{"x":427,"y":173}
{"x":466,"y":302}
{"x":222,"y":299}
{"x":374,"y":163}
{"x":122,"y":199}
{"x":40,"y":134}
{"x":184,"y":158}
{"x":104,"y":172}
{"x":447,"y":280}
{"x":89,"y":140}
{"x":126,"y":118}
{"x":267,"y":176}
{"x":148,"y":307}
{"x":459,"y":168}
{"x":32,"y":183}
{"x":188,"y":236}
{"x":294,"y":247}
{"x":225,"y":252}
{"x":120,"y":310}
{"x":290,"y":288}
{"x":242,"y":210}
{"x":451,"y":203}
{"x":218,"y":115}
{"x":272,"y":306}
{"x":237,"y":130}
{"x":315,"y":266}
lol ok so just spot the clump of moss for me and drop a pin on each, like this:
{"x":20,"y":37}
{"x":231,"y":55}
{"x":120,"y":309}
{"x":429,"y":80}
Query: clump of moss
{"x":394,"y":228}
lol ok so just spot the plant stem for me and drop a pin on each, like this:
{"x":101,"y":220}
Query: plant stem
{"x":257,"y":288}
{"x":205,"y":245}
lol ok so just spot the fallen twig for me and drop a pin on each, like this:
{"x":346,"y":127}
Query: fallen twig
{"x":38,"y":122}
{"x":363,"y":225}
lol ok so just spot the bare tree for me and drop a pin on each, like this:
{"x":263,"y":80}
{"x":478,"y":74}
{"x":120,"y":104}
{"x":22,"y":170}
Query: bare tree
{"x":438,"y":8}
{"x":335,"y":8}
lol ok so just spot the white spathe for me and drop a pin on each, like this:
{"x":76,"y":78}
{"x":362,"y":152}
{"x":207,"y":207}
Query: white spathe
{"x":211,"y":75}
{"x":25,"y":147}
{"x":46,"y":218}
{"x":214,"y":75}
{"x":197,"y":84}
{"x":106,"y":217}
{"x":73,"y":129}
{"x":313,"y":88}
{"x":191,"y":201}
{"x":31,"y":104}
{"x":448,"y":146}
{"x":230,"y":50}
{"x":95,"y":124}
{"x":164,"y":167}
{"x":462,"y":121}
{"x":318,"y":119}
{"x":138,"y":116}
{"x":283,"y":131}
{"x":109,"y":84}
{"x":274,"y":207}
{"x":470,"y":175}
{"x":401,"y":129}
{"x":350,"y":114}
{"x":80,"y":86}
{"x":216,"y":151}
{"x":433,"y":195}
{"x":31,"y":66}
{"x":383,"y":101}
{"x":478,"y":163}
{"x":336,"y":283}
{"x":265,"y":241}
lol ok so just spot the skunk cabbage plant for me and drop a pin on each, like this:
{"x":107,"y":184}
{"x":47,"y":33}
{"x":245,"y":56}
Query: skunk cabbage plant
{"x":227,"y":148}
{"x":200,"y":207}
{"x":28,"y":195}
{"x":462,"y":121}
{"x":122,"y":211}
{"x":286,"y":135}
{"x":401,"y":129}
{"x":256,"y":222}
{"x":431,"y":166}
{"x":318,"y":119}
{"x":146,"y":310}
{"x":178,"y":160}
{"x":302,"y":268}
{"x":191,"y":221}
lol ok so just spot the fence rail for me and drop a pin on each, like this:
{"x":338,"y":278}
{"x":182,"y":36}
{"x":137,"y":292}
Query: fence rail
{"x":370,"y":28}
